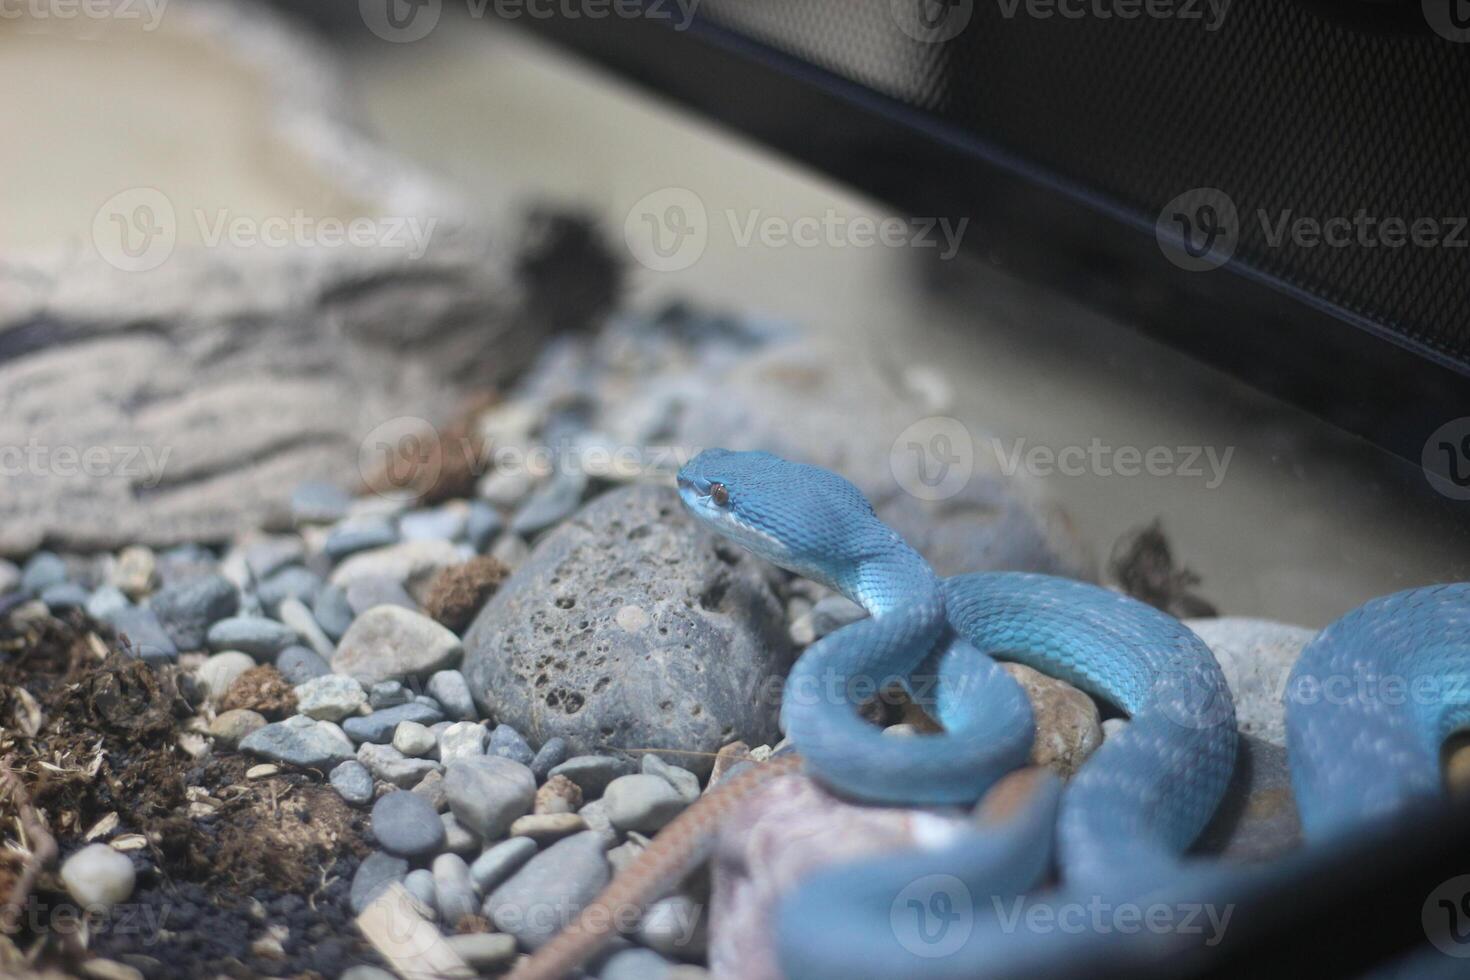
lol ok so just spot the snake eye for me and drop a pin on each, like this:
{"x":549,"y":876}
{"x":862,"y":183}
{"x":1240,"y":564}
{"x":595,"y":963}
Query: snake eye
{"x":719,"y":494}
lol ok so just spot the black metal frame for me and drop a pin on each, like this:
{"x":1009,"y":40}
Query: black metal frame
{"x":1339,"y":365}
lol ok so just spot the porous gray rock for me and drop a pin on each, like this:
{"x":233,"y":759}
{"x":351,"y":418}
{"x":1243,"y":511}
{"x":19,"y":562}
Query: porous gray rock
{"x":543,"y":896}
{"x":1256,"y":656}
{"x":630,"y":625}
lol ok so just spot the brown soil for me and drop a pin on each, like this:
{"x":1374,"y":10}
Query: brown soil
{"x":89,"y":732}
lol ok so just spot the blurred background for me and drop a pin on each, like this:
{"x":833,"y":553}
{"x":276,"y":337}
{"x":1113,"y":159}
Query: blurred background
{"x":458,"y":125}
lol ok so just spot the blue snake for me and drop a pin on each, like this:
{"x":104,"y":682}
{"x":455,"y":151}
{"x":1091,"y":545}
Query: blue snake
{"x":1118,"y":830}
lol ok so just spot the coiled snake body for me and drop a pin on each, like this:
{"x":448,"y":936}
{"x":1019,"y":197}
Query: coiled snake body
{"x":1118,"y":831}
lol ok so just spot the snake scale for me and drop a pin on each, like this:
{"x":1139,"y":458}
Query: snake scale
{"x":1117,"y":832}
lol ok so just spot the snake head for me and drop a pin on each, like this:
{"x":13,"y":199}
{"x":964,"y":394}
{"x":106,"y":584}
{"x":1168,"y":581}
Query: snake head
{"x":801,"y":517}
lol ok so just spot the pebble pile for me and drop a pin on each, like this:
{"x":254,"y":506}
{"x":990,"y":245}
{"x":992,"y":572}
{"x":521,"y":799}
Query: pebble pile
{"x":345,"y":642}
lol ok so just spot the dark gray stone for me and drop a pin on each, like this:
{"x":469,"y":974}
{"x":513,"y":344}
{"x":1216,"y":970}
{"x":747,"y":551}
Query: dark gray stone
{"x":332,"y":610}
{"x":105,"y":601}
{"x":592,"y":773}
{"x":359,"y":534}
{"x":189,"y":609}
{"x":553,"y":752}
{"x":636,"y":963}
{"x":63,"y":596}
{"x":378,"y":726}
{"x":299,"y":664}
{"x":268,"y":554}
{"x":507,"y":743}
{"x":552,"y":503}
{"x":454,"y":895}
{"x":294,"y":582}
{"x":500,"y":861}
{"x":262,"y":638}
{"x":376,"y":872}
{"x":442,"y":523}
{"x":452,"y":691}
{"x":300,"y":741}
{"x":552,"y":888}
{"x":420,"y":884}
{"x":631,"y":626}
{"x":43,"y":570}
{"x":145,"y":634}
{"x":378,"y":590}
{"x":487,"y":793}
{"x":483,"y":525}
{"x":405,"y":824}
{"x":353,"y":782}
{"x":391,"y":766}
{"x":388,"y":694}
{"x":1257,"y":820}
{"x":184,"y":563}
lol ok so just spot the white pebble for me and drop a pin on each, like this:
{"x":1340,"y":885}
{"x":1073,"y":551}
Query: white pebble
{"x":413,"y":739}
{"x":98,"y":876}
